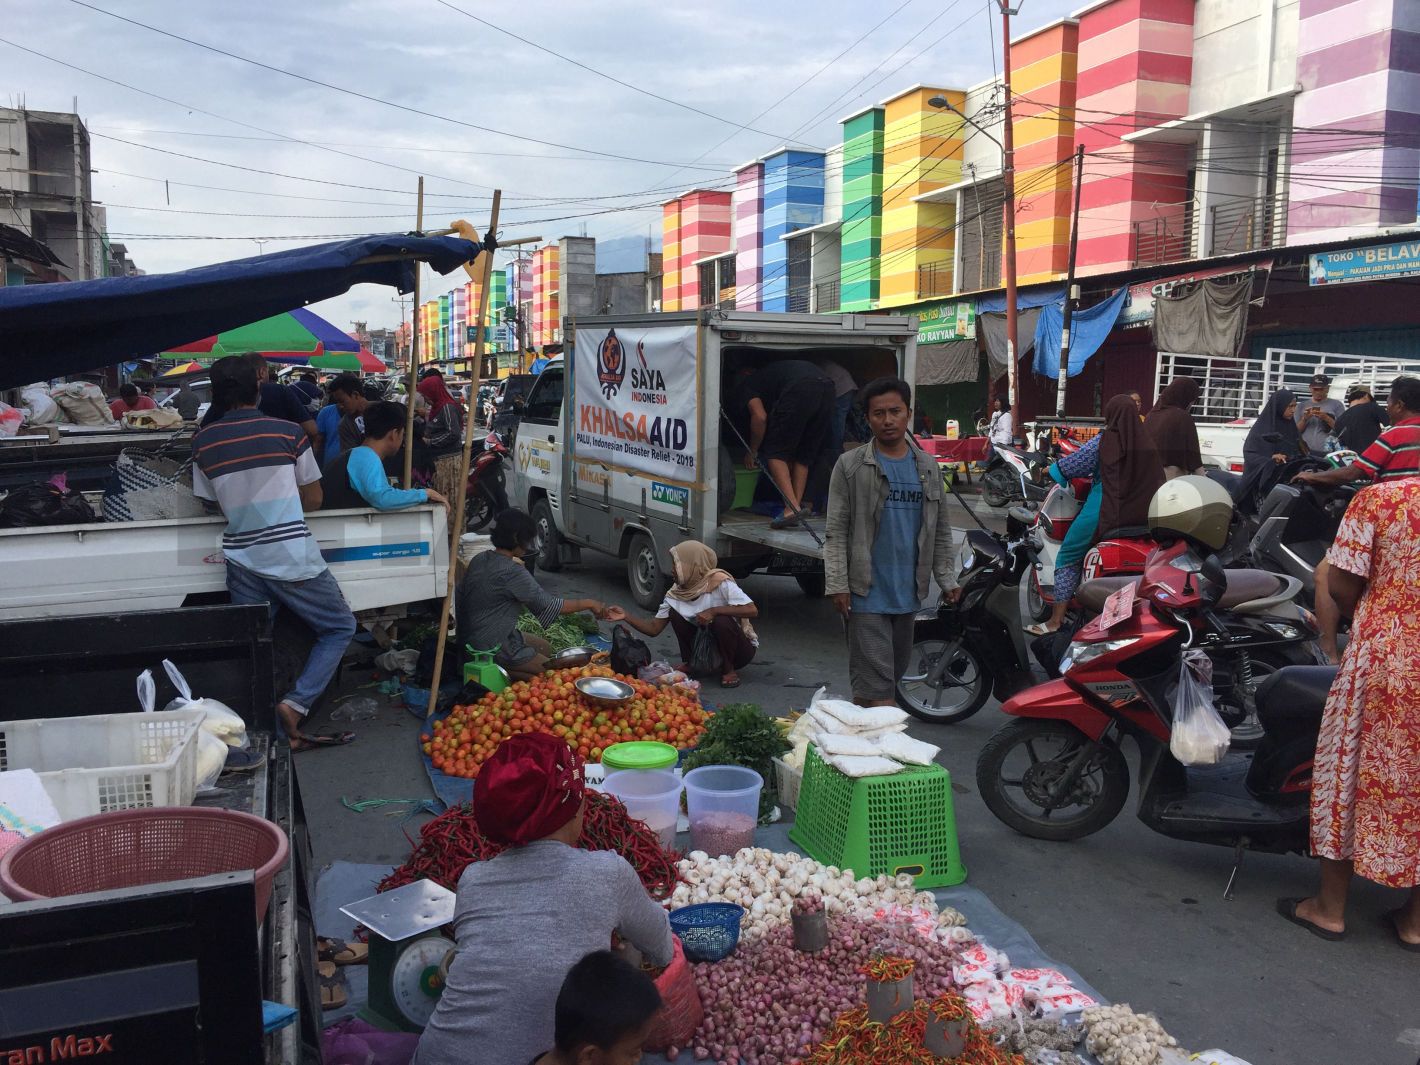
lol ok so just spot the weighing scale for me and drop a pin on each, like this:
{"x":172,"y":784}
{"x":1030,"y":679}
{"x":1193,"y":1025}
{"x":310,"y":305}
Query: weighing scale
{"x":407,"y":952}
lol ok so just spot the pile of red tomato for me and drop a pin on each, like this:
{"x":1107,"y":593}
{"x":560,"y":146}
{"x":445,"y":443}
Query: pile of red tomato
{"x":460,"y":743}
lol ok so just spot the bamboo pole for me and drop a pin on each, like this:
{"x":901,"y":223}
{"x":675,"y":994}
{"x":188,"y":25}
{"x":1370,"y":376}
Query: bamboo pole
{"x":456,"y":513}
{"x":413,"y":353}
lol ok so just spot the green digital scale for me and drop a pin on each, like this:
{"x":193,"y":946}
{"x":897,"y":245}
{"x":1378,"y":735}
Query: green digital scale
{"x":409,"y":953}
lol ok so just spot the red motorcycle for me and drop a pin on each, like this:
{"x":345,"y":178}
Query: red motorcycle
{"x":486,"y":493}
{"x":1058,"y":772}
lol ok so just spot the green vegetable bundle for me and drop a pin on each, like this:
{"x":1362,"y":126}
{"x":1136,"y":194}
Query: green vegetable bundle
{"x":742,"y":734}
{"x":570,"y":631}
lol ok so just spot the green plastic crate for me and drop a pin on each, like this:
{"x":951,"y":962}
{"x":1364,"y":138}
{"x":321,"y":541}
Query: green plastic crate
{"x":902,"y":823}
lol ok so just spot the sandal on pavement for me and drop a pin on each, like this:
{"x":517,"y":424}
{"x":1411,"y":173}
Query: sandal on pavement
{"x":1040,"y":629}
{"x":333,"y":995}
{"x":341,"y":953}
{"x":1287,"y":908}
{"x":1391,"y":919}
{"x":730,"y":680}
{"x":306,"y":741}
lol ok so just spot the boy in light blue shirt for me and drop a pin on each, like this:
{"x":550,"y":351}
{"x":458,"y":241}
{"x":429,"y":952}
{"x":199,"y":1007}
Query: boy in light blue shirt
{"x":357,"y":478}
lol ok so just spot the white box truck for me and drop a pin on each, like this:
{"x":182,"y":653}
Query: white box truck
{"x":624,"y":448}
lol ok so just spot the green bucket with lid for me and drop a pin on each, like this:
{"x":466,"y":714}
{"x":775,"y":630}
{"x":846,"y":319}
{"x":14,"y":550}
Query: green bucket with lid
{"x":640,"y":754}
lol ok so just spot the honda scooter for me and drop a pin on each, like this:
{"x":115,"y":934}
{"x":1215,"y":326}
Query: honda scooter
{"x":1296,"y":525}
{"x":1058,"y":772}
{"x":486,"y":495}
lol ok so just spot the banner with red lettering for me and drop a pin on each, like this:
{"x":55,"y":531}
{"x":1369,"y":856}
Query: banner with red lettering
{"x":636,"y":403}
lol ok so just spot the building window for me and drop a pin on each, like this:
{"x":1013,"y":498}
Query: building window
{"x":981,"y":214}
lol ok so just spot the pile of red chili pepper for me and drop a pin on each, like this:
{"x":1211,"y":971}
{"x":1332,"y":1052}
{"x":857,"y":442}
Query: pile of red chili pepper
{"x":888,"y":970}
{"x":452,"y":840}
{"x":855,"y":1040}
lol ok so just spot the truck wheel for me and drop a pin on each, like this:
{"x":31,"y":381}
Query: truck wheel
{"x":643,"y":572}
{"x":812,"y":584}
{"x":549,"y":556}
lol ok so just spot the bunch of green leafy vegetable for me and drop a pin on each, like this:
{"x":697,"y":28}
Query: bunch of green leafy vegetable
{"x":565,"y":632}
{"x":742,"y":734}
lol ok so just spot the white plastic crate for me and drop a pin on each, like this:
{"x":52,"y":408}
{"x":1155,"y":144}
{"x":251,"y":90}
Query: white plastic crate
{"x":787,"y":780}
{"x":94,"y":765}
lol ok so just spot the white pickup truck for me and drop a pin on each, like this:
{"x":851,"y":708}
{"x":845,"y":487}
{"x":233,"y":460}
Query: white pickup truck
{"x":382,"y":560}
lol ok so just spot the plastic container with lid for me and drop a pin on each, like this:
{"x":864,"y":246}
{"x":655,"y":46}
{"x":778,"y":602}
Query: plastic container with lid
{"x":723,"y":803}
{"x":650,"y":795}
{"x":639,"y":754}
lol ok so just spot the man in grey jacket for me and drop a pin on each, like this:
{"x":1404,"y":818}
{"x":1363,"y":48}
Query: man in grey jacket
{"x":887,"y":535}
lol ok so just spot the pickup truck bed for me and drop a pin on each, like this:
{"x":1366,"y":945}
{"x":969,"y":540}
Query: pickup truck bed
{"x":380,"y":559}
{"x":754,"y":528}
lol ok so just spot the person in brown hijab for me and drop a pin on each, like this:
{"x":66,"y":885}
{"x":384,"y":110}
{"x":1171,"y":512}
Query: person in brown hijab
{"x":1172,"y":430}
{"x":1130,"y":470}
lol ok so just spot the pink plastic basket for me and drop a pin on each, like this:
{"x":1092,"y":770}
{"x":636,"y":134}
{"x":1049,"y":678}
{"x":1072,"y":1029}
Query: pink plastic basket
{"x":129,"y":848}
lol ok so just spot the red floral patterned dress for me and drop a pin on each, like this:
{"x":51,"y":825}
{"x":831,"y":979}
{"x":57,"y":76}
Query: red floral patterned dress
{"x":1366,"y":786}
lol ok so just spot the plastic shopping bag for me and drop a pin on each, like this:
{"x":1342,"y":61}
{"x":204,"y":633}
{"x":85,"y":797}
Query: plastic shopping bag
{"x":221,"y":721}
{"x":705,"y":658}
{"x":211,"y":752}
{"x":1200,"y":737}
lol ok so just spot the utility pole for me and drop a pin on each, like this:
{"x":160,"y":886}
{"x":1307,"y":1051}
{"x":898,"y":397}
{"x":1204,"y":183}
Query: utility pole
{"x":1068,"y":316}
{"x":1008,"y":181}
{"x":413,"y":352}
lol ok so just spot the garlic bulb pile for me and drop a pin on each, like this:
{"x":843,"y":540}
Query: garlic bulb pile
{"x":1119,"y":1036}
{"x":766,"y":884}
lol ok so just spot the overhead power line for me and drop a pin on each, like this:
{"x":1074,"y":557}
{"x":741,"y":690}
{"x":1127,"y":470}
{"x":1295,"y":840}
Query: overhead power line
{"x":603,"y":74}
{"x":357,"y":93}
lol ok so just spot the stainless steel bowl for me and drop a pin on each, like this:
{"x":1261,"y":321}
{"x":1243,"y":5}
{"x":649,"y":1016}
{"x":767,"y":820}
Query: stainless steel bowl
{"x":603,"y":691}
{"x":572,"y":658}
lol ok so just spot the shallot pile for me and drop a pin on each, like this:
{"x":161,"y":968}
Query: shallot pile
{"x":768,"y":1004}
{"x":767,"y":883}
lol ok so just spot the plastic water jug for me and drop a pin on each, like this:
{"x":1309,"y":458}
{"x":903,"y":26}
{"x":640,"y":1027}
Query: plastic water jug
{"x":953,"y":429}
{"x":481,"y":668}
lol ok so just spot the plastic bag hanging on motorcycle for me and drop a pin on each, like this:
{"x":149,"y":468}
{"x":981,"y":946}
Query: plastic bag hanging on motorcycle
{"x":1199,"y":736}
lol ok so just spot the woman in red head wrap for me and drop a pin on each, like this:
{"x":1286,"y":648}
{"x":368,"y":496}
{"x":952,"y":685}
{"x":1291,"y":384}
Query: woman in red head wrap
{"x":524,"y":918}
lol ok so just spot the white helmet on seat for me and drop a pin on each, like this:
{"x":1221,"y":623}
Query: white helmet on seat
{"x":1193,"y":507}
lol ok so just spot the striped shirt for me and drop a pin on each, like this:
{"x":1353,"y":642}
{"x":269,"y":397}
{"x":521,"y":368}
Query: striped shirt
{"x":251,"y":466}
{"x":1395,"y":454}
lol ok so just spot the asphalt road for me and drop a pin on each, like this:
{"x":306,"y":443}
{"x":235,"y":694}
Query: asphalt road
{"x":1140,"y":916}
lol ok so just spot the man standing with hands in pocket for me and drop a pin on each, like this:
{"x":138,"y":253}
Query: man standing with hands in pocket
{"x":887,"y":536}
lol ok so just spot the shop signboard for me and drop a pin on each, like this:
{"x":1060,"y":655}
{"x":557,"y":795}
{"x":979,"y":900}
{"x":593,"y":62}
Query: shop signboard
{"x":948,"y":320}
{"x":1374,"y":263}
{"x":1139,"y":303}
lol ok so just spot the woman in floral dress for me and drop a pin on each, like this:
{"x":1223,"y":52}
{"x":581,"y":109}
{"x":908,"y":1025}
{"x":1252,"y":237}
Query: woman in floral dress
{"x":1365,"y":815}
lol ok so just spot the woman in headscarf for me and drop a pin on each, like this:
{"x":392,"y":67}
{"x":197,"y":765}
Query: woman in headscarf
{"x":1125,"y":470}
{"x":1272,"y":442}
{"x":703,"y":596}
{"x":515,"y":947}
{"x":1171,"y":428}
{"x":441,"y":440}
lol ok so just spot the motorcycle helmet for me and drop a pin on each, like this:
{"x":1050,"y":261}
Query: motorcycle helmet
{"x":1193,"y":507}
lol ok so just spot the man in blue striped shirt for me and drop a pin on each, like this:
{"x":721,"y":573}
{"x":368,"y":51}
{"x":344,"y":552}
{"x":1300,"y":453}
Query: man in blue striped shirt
{"x":263,"y":474}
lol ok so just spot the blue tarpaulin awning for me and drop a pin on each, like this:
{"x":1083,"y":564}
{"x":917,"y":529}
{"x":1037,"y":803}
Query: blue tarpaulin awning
{"x":1088,"y":330}
{"x":75,"y":326}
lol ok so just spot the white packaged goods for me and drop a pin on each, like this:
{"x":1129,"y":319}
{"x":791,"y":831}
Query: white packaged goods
{"x":858,"y":718}
{"x":221,"y":720}
{"x":1199,"y":735}
{"x":851,"y":766}
{"x":830,"y":743}
{"x":905,"y":749}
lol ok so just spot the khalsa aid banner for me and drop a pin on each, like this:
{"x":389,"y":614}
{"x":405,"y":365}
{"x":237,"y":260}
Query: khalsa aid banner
{"x":636,"y":400}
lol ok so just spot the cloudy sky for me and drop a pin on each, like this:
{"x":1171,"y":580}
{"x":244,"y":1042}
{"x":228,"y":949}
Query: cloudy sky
{"x":237,"y":151}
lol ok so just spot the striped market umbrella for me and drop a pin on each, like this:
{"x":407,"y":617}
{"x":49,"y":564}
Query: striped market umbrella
{"x":182,"y":369}
{"x":293,"y":336}
{"x":362,"y":361}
